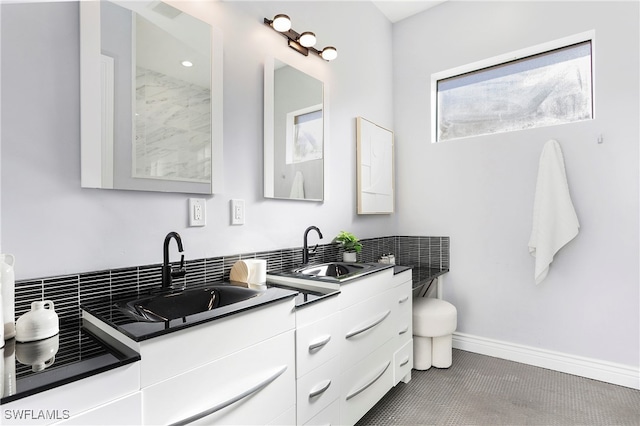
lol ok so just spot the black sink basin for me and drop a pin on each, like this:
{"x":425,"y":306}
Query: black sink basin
{"x":170,"y":306}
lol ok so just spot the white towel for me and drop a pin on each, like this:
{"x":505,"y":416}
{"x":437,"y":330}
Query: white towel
{"x":555,"y":222}
{"x":297,"y":188}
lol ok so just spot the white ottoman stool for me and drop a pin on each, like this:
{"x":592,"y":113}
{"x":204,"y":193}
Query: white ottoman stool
{"x":434,"y":320}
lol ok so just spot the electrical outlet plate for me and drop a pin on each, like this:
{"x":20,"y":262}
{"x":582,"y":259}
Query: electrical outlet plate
{"x":197,"y":212}
{"x":237,"y":212}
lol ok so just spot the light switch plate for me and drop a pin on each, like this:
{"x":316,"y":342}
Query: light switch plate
{"x":197,"y":212}
{"x":237,"y":212}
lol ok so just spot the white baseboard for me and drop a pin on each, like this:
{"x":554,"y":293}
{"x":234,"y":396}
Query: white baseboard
{"x":616,"y":374}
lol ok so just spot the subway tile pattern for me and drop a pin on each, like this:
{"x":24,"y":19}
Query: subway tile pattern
{"x":67,"y":292}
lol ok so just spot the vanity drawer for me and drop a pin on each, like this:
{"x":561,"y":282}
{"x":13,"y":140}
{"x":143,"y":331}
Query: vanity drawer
{"x":404,"y":312}
{"x":403,"y":277}
{"x":221,"y":383}
{"x":79,"y":397}
{"x":317,"y":390}
{"x":354,"y":292}
{"x":170,"y":355}
{"x":328,"y":416}
{"x":123,"y":411}
{"x":366,"y":326}
{"x":306,"y":315}
{"x":317,"y":343}
{"x":365,"y":383}
{"x":403,"y":362}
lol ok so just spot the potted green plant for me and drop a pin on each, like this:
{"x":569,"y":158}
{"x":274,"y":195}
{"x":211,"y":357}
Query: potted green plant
{"x":350,"y":244}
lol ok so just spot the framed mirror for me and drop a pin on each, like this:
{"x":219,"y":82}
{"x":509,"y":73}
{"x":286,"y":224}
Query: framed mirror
{"x":151,"y":96}
{"x":294,"y":133}
{"x":374,"y":153}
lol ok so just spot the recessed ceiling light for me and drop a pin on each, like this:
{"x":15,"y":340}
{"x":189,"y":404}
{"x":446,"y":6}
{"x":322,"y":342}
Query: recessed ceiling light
{"x":187,"y":64}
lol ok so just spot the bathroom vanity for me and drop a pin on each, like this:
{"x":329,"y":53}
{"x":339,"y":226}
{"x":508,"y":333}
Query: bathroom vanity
{"x":352,"y":349}
{"x":308,"y":350}
{"x":231,"y":365}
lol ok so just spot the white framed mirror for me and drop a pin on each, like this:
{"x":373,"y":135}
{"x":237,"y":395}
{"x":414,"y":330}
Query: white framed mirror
{"x":150,"y":120}
{"x":375,"y":165}
{"x":294,"y":133}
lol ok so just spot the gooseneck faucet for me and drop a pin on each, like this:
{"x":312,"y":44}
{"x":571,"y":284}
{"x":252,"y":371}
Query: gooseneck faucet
{"x":305,"y":249}
{"x":167,"y":271}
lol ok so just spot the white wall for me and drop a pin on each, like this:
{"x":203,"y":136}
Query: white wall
{"x":480,"y":190}
{"x":54,"y":227}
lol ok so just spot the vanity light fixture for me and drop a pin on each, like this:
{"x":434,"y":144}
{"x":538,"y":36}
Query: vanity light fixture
{"x":301,"y":43}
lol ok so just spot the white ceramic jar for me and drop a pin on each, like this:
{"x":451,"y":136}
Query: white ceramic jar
{"x":39,"y":323}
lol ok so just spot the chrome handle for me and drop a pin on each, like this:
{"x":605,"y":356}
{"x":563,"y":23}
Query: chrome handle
{"x":321,"y":390}
{"x":404,"y":330}
{"x":233,"y":399}
{"x":367,"y":327}
{"x":404,"y":362}
{"x":369,"y":383}
{"x":403,"y":299}
{"x":319,"y":344}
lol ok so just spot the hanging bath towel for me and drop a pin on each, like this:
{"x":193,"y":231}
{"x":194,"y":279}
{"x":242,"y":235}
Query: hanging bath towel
{"x":555,"y":222}
{"x":297,"y":188}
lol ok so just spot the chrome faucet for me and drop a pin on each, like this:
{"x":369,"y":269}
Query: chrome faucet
{"x":167,"y":271}
{"x":305,"y":249}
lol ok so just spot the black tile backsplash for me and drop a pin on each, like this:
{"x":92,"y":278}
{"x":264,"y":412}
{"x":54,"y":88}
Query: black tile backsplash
{"x":67,"y":292}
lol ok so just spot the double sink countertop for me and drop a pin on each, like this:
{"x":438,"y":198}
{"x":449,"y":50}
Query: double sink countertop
{"x":84,"y":350}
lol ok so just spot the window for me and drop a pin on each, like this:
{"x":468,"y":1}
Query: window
{"x":534,"y":90}
{"x":304,"y":135}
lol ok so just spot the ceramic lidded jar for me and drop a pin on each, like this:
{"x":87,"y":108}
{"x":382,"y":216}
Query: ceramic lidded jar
{"x":39,"y":323}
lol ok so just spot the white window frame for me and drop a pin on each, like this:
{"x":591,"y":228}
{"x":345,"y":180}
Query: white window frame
{"x":509,"y":57}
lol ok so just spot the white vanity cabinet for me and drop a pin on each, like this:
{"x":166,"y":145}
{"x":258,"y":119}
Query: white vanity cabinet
{"x":122,"y":411}
{"x":108,"y":398}
{"x":318,"y":362}
{"x":403,"y":355}
{"x":236,"y":370}
{"x":376,"y":340}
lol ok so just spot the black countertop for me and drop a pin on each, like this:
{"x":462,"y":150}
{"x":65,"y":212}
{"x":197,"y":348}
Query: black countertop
{"x":80,"y":354}
{"x":423,"y":274}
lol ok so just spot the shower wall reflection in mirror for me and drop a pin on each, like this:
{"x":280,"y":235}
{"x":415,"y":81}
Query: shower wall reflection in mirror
{"x":294,"y":133}
{"x":153,"y":129}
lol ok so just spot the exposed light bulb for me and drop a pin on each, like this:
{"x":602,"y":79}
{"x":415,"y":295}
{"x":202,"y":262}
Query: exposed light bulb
{"x":281,"y":23}
{"x":307,"y":39}
{"x":329,"y":53}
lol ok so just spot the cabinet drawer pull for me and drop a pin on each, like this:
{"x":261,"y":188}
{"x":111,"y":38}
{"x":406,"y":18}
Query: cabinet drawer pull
{"x":404,"y":330}
{"x":403,"y":299}
{"x":233,"y":399}
{"x":320,"y":390}
{"x":369,"y":383}
{"x":319,"y":344}
{"x":404,"y":362}
{"x":369,"y":326}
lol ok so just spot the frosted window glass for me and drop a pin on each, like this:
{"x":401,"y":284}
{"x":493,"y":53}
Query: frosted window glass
{"x":541,"y":90}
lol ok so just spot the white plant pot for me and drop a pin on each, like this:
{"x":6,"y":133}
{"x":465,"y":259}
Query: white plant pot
{"x":349,"y":256}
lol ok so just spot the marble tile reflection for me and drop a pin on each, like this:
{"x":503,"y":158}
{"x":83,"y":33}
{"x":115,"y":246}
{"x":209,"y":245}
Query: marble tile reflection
{"x":173,"y":128}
